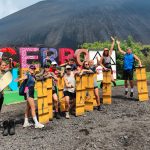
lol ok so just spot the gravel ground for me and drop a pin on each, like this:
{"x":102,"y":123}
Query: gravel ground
{"x":124,"y":125}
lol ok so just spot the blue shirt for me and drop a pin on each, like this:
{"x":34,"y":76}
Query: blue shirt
{"x":128,"y":61}
{"x":30,"y":80}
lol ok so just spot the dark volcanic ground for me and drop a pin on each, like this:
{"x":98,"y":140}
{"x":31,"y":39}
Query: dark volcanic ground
{"x":124,"y":125}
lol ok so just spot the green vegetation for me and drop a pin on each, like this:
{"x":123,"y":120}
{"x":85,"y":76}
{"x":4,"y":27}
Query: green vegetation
{"x":142,"y":51}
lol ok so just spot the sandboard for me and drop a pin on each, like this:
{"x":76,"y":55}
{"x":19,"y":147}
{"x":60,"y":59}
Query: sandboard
{"x":107,"y":87}
{"x":142,"y":84}
{"x":61,"y":94}
{"x":49,"y":83}
{"x":43,"y":109}
{"x":90,"y":90}
{"x":80,"y":96}
{"x":5,"y":80}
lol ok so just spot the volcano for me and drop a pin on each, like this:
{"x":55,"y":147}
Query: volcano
{"x":69,"y":23}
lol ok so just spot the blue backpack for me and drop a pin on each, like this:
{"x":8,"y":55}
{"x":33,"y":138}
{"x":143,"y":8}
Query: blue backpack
{"x":23,"y":85}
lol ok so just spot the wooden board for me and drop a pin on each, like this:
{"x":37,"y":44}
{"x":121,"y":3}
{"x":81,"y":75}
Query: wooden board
{"x":5,"y":80}
{"x":43,"y":108}
{"x":107,"y":87}
{"x":60,"y":94}
{"x":90,"y":90}
{"x":80,"y":96}
{"x":50,"y":97}
{"x":142,"y":84}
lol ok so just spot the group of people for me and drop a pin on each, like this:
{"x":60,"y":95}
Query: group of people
{"x":71,"y":69}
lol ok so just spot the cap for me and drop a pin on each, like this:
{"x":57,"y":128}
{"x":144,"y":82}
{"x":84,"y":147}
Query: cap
{"x":32,"y":67}
{"x":68,"y":67}
{"x":54,"y":63}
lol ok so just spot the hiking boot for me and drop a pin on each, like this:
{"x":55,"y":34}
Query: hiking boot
{"x":67,"y":115}
{"x":39,"y":125}
{"x":11,"y":128}
{"x":27,"y":124}
{"x":131,"y":94}
{"x":57,"y":116}
{"x":5,"y":126}
{"x":100,"y":108}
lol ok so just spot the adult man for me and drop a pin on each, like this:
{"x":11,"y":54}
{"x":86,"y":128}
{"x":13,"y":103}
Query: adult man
{"x":128,"y":67}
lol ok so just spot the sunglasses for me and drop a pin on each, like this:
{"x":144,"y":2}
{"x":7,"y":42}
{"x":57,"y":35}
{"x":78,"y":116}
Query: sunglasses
{"x":69,"y":69}
{"x":86,"y":64}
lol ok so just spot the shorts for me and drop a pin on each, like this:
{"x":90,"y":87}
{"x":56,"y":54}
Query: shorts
{"x":128,"y":74}
{"x":95,"y":83}
{"x":54,"y":90}
{"x":30,"y":93}
{"x":70,"y":94}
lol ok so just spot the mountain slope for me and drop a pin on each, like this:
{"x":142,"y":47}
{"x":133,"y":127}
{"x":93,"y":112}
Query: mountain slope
{"x":69,"y":23}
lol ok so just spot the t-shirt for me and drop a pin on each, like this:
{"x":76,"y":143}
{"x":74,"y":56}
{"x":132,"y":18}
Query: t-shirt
{"x":71,"y":80}
{"x":31,"y":80}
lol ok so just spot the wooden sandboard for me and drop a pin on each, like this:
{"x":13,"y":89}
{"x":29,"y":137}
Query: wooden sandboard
{"x":5,"y":80}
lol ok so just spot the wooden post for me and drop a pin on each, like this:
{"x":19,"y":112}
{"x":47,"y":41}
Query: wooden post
{"x":142,"y":84}
{"x":107,"y":87}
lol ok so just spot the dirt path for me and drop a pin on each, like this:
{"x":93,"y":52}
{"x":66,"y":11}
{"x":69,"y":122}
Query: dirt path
{"x":124,"y":125}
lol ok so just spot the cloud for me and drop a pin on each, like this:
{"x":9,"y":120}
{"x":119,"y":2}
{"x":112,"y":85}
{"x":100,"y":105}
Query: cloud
{"x":8,"y":7}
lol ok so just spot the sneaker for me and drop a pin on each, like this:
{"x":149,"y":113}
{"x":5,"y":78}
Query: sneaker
{"x":131,"y":94}
{"x":11,"y":128}
{"x":5,"y":126}
{"x":67,"y":115}
{"x":57,"y":116}
{"x":27,"y":124}
{"x":39,"y":125}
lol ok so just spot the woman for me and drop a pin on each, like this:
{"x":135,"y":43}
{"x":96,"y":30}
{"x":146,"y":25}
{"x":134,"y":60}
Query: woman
{"x":89,"y":67}
{"x":3,"y":70}
{"x":105,"y":61}
{"x":9,"y":126}
{"x":29,"y":97}
{"x":69,"y":89}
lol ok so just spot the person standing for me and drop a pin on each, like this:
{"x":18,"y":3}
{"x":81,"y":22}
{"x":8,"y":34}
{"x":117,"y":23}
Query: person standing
{"x":69,"y":89}
{"x":105,"y":61}
{"x":29,"y":97}
{"x":8,"y":125}
{"x":128,"y":67}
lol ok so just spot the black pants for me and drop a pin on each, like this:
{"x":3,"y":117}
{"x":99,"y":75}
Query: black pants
{"x":1,"y":101}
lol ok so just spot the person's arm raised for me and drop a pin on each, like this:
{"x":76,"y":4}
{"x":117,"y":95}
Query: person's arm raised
{"x":112,"y":46}
{"x":119,"y":48}
{"x":138,"y":59}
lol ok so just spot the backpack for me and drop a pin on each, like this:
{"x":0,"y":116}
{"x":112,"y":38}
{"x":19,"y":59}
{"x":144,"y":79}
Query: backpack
{"x":22,"y":86}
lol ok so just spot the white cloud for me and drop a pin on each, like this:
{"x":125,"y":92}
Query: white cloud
{"x":8,"y":7}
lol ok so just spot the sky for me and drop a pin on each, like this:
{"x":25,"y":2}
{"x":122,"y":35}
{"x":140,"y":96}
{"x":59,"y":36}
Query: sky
{"x":8,"y":7}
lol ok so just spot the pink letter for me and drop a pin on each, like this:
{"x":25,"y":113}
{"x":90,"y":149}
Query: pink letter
{"x":65,"y":54}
